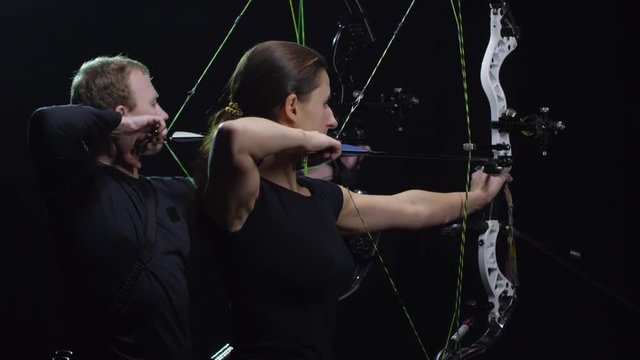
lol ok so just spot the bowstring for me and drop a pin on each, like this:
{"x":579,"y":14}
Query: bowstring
{"x":455,"y":318}
{"x":191,"y":92}
{"x":354,"y":106}
{"x":298,"y":28}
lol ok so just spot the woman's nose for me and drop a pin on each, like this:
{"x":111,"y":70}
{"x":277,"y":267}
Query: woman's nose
{"x":333,"y":123}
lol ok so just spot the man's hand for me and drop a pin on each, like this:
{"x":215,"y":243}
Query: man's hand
{"x":152,"y":142}
{"x":140,"y":124}
{"x":139,"y":135}
{"x":150,"y":132}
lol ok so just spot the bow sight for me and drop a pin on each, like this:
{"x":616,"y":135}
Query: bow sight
{"x":539,"y":126}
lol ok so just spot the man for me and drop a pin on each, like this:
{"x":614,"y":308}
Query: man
{"x":122,"y":238}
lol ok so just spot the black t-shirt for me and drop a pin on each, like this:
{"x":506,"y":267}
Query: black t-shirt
{"x":284,"y":272}
{"x":96,"y":216}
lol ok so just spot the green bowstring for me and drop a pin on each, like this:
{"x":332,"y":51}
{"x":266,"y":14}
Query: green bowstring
{"x":298,"y":28}
{"x":455,"y":319}
{"x":191,"y":92}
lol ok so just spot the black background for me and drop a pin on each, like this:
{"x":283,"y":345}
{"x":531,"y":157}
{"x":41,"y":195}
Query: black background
{"x":573,"y":57}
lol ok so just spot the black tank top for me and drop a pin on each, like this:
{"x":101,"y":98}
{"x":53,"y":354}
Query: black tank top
{"x":285,"y":271}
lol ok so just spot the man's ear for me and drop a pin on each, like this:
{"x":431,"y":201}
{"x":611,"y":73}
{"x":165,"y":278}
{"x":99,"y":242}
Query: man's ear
{"x":122,"y":110}
{"x":290,"y":109}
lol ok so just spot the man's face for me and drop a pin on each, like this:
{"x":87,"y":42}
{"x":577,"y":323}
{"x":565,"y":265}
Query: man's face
{"x":144,"y":96}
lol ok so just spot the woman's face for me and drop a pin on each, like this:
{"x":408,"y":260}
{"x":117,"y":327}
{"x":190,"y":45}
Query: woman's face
{"x":315,"y":113}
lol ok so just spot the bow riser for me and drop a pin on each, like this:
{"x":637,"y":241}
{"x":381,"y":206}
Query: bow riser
{"x":498,"y":49}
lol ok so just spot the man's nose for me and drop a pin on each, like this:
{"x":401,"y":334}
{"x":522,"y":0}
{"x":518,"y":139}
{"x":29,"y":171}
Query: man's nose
{"x":164,"y":114}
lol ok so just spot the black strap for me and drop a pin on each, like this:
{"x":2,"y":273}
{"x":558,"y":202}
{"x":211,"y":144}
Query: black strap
{"x":150,"y":201}
{"x":146,"y":254}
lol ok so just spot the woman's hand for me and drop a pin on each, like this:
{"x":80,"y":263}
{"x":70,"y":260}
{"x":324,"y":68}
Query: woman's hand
{"x":488,"y":185}
{"x":322,"y":145}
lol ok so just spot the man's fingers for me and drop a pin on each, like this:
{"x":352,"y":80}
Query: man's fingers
{"x":145,"y":123}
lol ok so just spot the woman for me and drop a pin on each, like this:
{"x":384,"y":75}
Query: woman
{"x":278,"y":233}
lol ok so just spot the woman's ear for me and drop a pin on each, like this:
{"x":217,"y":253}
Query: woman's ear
{"x":290,"y":110}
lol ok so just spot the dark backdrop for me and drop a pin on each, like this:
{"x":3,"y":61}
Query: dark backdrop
{"x":573,"y":57}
